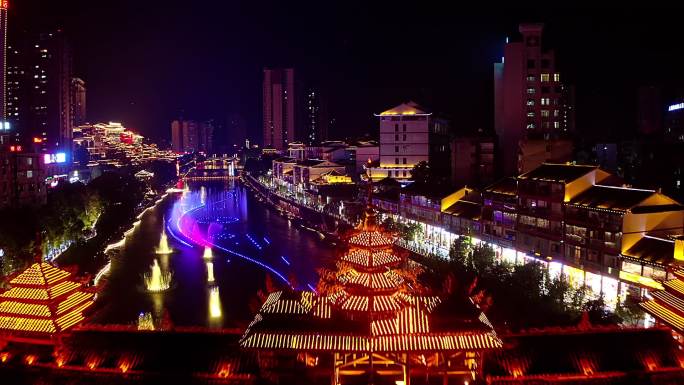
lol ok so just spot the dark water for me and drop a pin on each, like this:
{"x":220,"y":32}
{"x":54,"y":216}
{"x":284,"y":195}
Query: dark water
{"x":186,"y":303}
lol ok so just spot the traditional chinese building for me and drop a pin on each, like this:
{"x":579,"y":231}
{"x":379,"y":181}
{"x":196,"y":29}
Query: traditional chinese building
{"x":667,"y":305}
{"x":43,"y":302}
{"x":370,"y":322}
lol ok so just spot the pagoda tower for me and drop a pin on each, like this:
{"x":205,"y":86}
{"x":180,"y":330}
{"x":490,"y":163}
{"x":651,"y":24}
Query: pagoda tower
{"x":371,"y":312}
{"x":42,"y":302}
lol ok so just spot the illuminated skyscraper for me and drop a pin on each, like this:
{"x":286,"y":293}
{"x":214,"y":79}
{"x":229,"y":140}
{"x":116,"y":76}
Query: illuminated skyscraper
{"x":4,"y":127}
{"x":78,"y":102}
{"x":530,"y":101}
{"x":40,"y":89}
{"x":279,"y":107}
{"x":316,"y":113}
{"x":3,"y":57}
{"x":191,"y":136}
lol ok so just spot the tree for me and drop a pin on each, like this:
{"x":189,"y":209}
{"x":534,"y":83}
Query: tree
{"x":18,"y":235}
{"x":482,"y":257}
{"x":460,"y":250}
{"x":598,"y":315}
{"x":629,"y":311}
{"x":421,"y":173}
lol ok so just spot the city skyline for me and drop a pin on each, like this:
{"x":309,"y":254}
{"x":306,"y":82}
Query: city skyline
{"x":332,"y":193}
{"x":460,"y":50}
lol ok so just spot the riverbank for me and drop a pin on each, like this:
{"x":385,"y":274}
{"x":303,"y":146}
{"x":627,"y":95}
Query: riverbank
{"x":90,"y":255}
{"x":299,"y":214}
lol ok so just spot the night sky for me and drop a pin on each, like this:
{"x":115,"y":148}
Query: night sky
{"x":146,"y":62}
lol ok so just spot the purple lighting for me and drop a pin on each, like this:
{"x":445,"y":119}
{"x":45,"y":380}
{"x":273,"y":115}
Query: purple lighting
{"x":188,"y":228}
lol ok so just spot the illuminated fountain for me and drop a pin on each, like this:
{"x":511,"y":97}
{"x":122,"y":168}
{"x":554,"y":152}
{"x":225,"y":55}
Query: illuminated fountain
{"x":163,"y":243}
{"x":145,"y":321}
{"x":210,"y":272}
{"x":208,"y":254}
{"x":214,"y":303}
{"x":157,"y":281}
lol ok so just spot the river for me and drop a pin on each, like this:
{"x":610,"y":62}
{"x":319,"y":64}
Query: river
{"x":248,"y":239}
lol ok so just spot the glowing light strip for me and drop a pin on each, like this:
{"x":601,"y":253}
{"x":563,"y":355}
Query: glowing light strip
{"x":205,"y":242}
{"x":265,"y":266}
{"x":102,"y":273}
{"x":285,"y":260}
{"x":177,"y":238}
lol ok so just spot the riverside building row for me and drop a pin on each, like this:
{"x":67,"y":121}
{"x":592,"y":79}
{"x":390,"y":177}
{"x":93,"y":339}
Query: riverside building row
{"x":576,"y":219}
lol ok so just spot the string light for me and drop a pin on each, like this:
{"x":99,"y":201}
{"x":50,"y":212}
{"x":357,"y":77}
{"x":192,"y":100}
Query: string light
{"x":43,"y":300}
{"x":398,"y":319}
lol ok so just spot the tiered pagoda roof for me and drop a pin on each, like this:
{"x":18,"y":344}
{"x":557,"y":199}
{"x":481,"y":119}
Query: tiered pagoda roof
{"x":667,"y":305}
{"x":372,"y":306}
{"x":42,"y":301}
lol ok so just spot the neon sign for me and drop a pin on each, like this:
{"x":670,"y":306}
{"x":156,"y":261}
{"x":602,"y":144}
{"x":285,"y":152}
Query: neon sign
{"x":59,"y":157}
{"x":675,"y":107}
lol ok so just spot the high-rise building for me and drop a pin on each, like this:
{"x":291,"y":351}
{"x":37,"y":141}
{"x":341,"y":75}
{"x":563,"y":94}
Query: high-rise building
{"x":409,"y":135}
{"x":40,"y":91}
{"x":16,"y":104}
{"x":279,"y":107}
{"x":78,"y":102}
{"x":3,"y":59}
{"x":472,"y":159}
{"x":177,"y":136}
{"x":192,"y":136}
{"x":650,"y":110}
{"x":529,"y":96}
{"x":205,"y":137}
{"x":316,"y":112}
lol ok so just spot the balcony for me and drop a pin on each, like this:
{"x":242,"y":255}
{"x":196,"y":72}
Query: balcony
{"x":576,"y":239}
{"x":551,"y":234}
{"x":542,"y":212}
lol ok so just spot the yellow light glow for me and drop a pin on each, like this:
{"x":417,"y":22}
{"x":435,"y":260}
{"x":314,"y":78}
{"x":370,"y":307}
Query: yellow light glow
{"x":210,"y":272}
{"x":214,"y":303}
{"x":208,"y":254}
{"x":641,"y":280}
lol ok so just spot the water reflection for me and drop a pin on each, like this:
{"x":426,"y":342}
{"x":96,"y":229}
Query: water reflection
{"x":245,"y":241}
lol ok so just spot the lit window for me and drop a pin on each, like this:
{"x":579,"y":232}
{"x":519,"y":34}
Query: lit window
{"x":545,"y":113}
{"x":556,"y":124}
{"x":556,"y":113}
{"x":545,"y":77}
{"x":530,"y":126}
{"x":29,"y":174}
{"x":530,"y":114}
{"x":530,"y":102}
{"x":530,"y":90}
{"x":29,"y":161}
{"x":556,"y":77}
{"x":531,"y":78}
{"x":545,"y":101}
